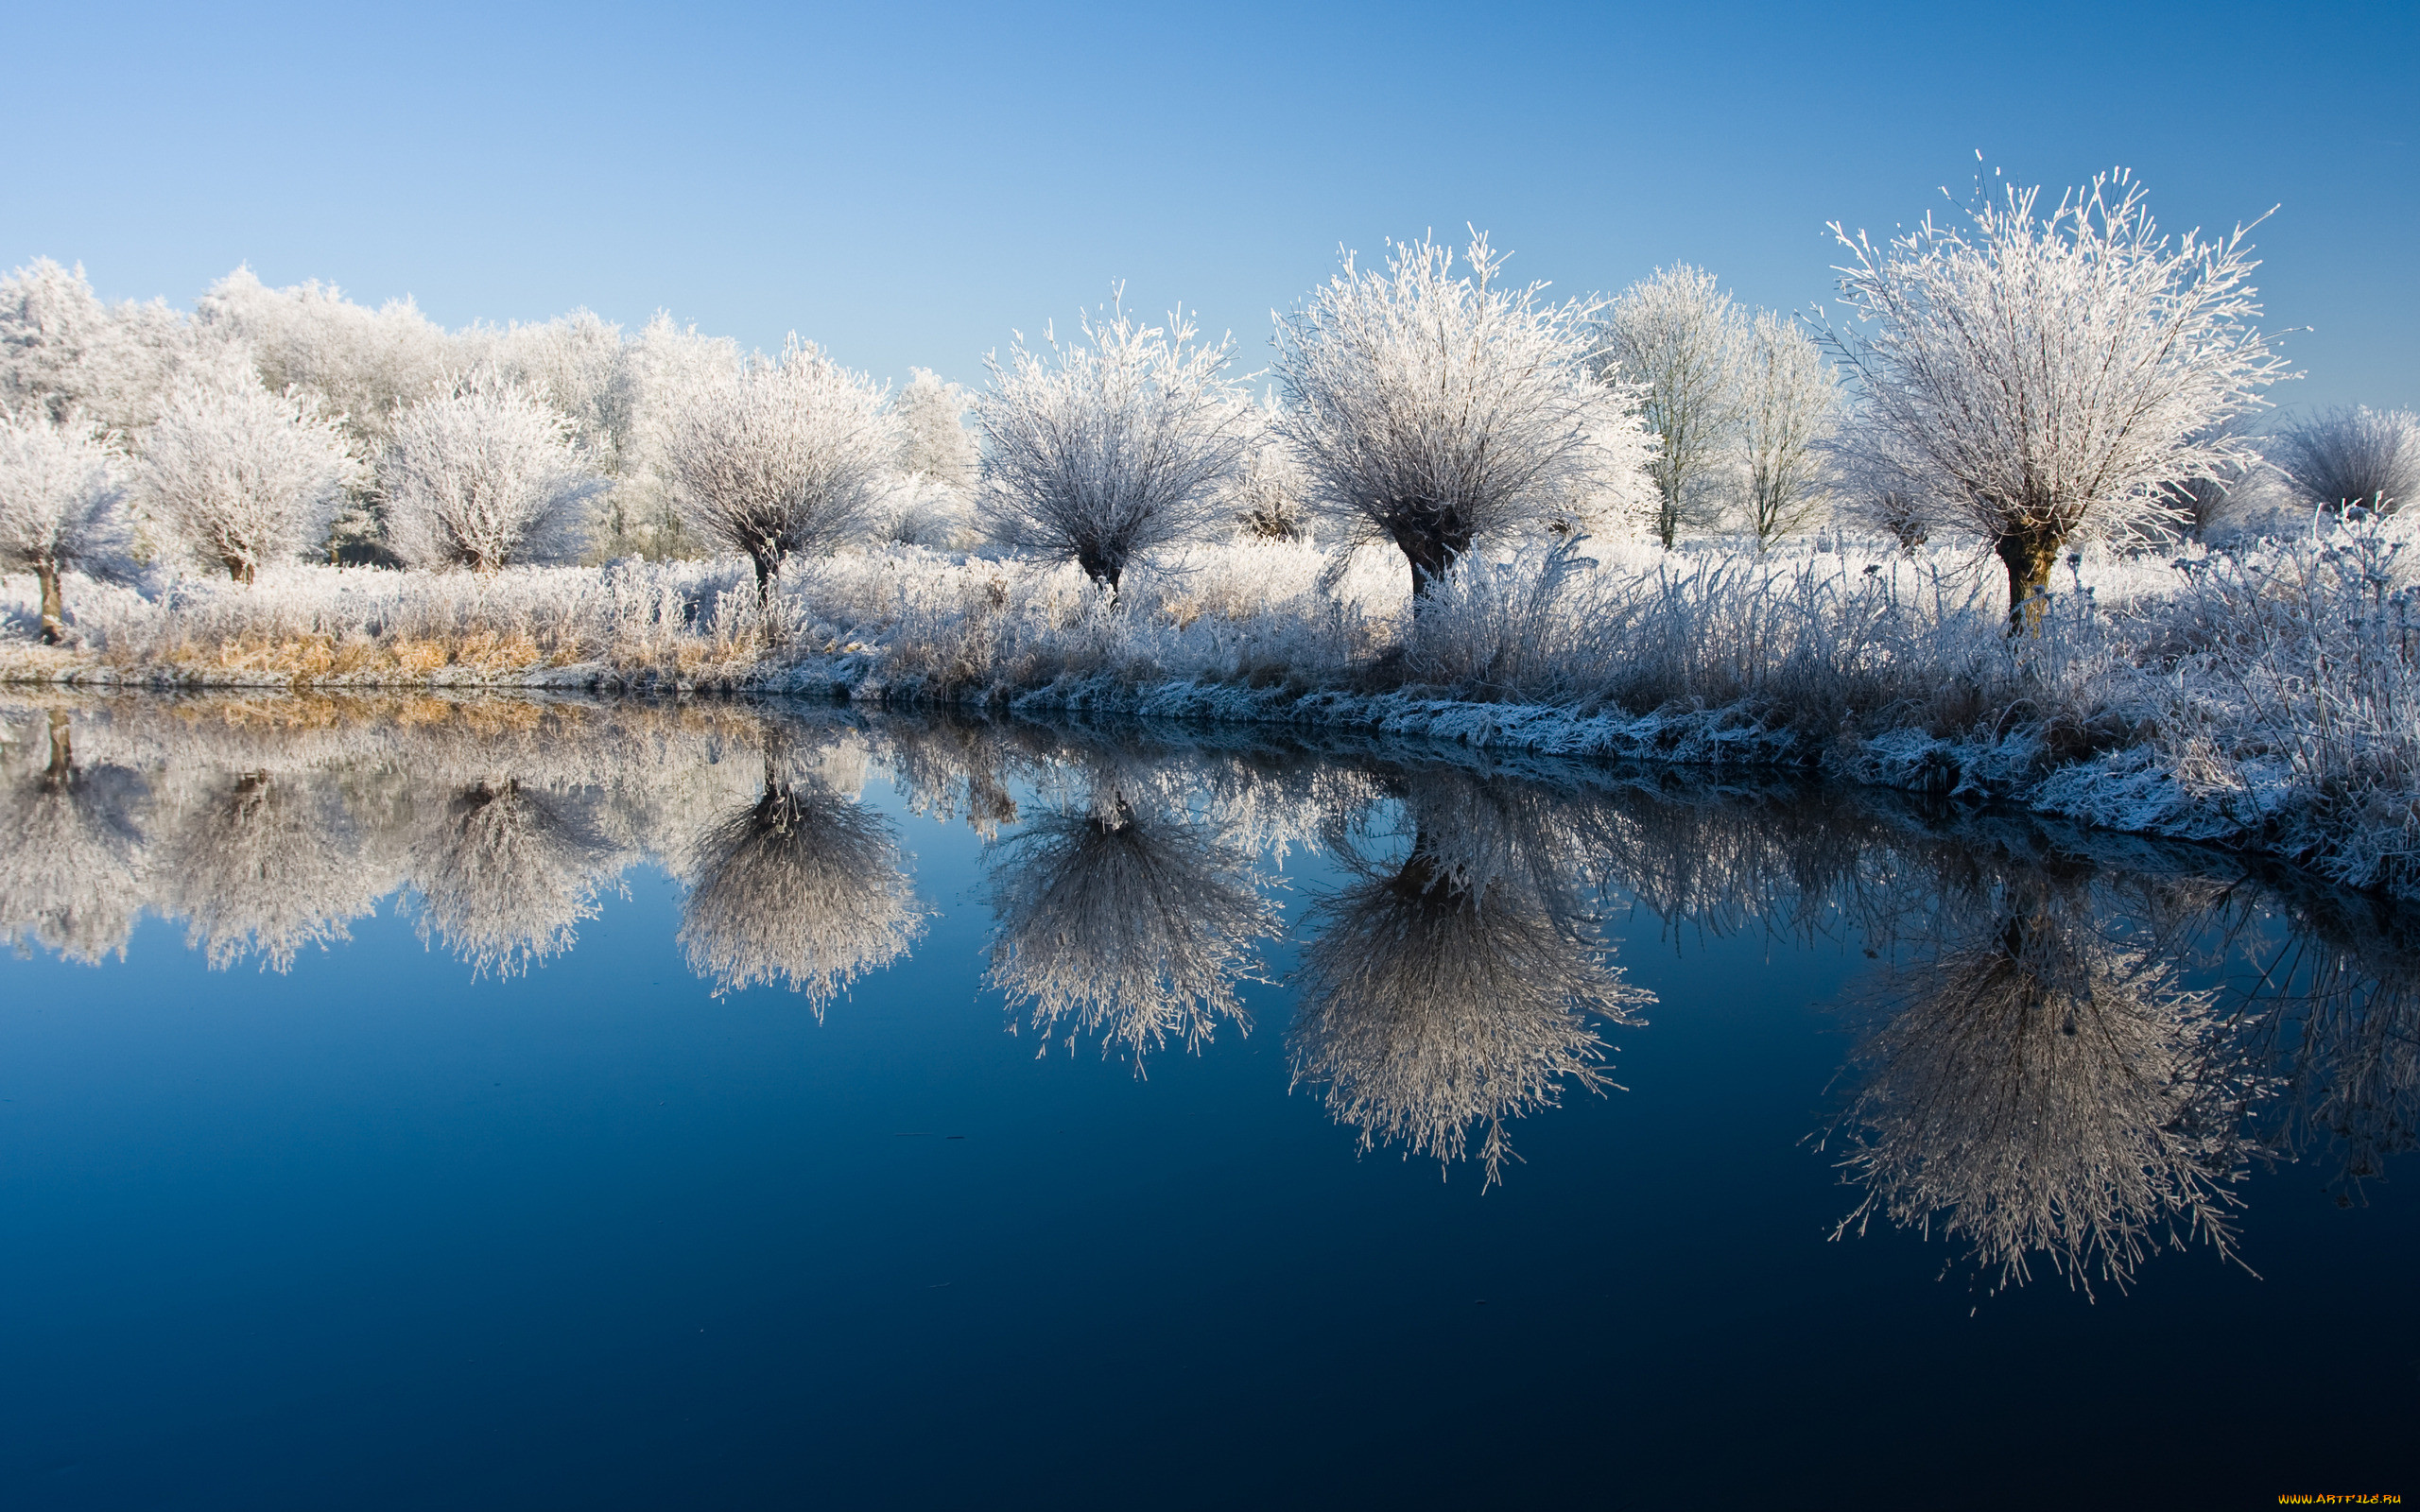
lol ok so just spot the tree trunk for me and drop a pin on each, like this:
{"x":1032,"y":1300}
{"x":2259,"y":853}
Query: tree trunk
{"x":2029,"y":559}
{"x":54,"y":610}
{"x":1432,"y":547}
{"x":63,"y":748}
{"x":239,"y":570}
{"x":766,"y":565}
{"x":1102,"y":567}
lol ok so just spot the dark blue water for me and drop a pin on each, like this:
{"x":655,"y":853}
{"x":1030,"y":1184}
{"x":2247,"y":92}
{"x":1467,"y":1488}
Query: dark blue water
{"x":386,"y":1229}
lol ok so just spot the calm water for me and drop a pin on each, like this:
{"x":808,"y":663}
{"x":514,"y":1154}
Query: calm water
{"x":423,"y":1104}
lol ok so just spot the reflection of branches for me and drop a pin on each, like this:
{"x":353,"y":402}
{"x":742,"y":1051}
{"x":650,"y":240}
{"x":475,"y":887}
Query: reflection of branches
{"x":259,"y":868}
{"x":802,"y":888}
{"x":2046,"y":1088}
{"x":1457,"y":990}
{"x":506,"y":875}
{"x":1126,"y":922}
{"x":70,"y":855}
{"x":2339,"y":1003}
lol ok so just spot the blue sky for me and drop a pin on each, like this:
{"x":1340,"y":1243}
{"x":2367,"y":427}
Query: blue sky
{"x":908,"y":183}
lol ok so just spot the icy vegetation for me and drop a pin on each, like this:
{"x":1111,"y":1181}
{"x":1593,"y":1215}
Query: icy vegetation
{"x":2013,"y":528}
{"x":2067,"y":1049}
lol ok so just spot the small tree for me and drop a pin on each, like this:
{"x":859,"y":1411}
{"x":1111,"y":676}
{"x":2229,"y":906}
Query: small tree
{"x":1679,"y":338}
{"x":238,"y":476}
{"x":2349,"y":457}
{"x":2052,"y":371}
{"x":1432,"y":410}
{"x":1110,"y":450}
{"x":485,"y":477}
{"x":60,"y":504}
{"x":1787,"y":397}
{"x":779,"y":457}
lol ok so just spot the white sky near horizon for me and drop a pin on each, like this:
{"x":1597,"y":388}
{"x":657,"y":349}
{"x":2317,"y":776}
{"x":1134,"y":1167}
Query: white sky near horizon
{"x":909,"y":186}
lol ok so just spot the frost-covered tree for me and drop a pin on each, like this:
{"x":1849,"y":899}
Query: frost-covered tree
{"x":668,"y":365}
{"x":1679,"y":339}
{"x":1434,"y":410}
{"x":1880,"y":488}
{"x":1122,"y":918}
{"x":62,"y":347}
{"x":1788,"y":398}
{"x":934,"y":441}
{"x":364,"y":365}
{"x":2353,"y":458}
{"x":238,"y":476}
{"x":780,"y":457}
{"x":61,"y":504}
{"x":1104,"y":451}
{"x":804,"y":887}
{"x":2052,"y":371}
{"x":580,"y":364}
{"x":485,"y":477}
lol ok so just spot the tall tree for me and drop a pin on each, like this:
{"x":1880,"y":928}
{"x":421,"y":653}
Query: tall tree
{"x":2052,"y":371}
{"x":1678,"y":337}
{"x":1788,"y":398}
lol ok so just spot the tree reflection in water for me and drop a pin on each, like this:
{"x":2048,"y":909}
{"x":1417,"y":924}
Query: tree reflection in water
{"x":802,"y":888}
{"x":1461,"y":987}
{"x":506,"y":874}
{"x":261,"y":866}
{"x":2040,"y":1088}
{"x":1123,"y":917}
{"x":71,"y":854}
{"x":2083,"y":1041}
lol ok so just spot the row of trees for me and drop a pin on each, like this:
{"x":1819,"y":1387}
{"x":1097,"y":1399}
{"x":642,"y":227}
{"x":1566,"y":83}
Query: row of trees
{"x":2024,"y":376}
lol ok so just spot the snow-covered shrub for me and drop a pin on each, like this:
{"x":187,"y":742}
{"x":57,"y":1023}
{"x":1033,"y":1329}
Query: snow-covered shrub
{"x":2349,"y":458}
{"x":483,"y":477}
{"x":62,"y":505}
{"x":2048,"y":373}
{"x":237,"y":477}
{"x":780,"y":457}
{"x":1438,"y":411}
{"x":1112,"y":448}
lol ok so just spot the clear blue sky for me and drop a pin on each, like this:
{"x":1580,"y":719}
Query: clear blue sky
{"x":907,"y":183}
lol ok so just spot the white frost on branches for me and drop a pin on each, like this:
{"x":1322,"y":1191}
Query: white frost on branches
{"x":1111,"y":449}
{"x":483,"y":477}
{"x":2052,"y":371}
{"x":782,"y":457}
{"x":60,"y":504}
{"x":1679,"y":340}
{"x":1435,"y":409}
{"x":240,"y":477}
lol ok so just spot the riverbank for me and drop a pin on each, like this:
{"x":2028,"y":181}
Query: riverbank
{"x":2262,"y":698}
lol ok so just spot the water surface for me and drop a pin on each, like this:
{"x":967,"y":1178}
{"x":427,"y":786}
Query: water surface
{"x":421,"y":1103}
